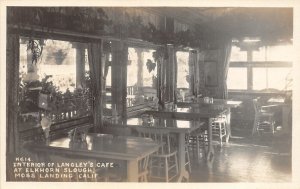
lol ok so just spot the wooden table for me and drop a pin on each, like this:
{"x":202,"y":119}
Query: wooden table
{"x":130,"y":149}
{"x":191,"y":113}
{"x":217,"y":104}
{"x":174,"y":125}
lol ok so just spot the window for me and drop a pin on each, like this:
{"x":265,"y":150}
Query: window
{"x":270,"y":68}
{"x":141,"y":76}
{"x":52,"y":81}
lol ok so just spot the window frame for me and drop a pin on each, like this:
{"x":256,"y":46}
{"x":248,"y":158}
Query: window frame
{"x":250,"y":64}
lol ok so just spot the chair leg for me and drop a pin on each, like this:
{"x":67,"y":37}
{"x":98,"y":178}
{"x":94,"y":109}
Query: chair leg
{"x":221,"y":142}
{"x":254,"y":130}
{"x":188,"y":162}
{"x":271,"y":124}
{"x":198,"y":147}
{"x":176,"y":165}
{"x":167,"y":169}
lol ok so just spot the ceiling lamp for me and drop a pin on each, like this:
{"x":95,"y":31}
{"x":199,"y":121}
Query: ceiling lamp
{"x":251,"y":40}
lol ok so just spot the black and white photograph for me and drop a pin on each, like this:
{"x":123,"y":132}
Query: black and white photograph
{"x":122,"y":94}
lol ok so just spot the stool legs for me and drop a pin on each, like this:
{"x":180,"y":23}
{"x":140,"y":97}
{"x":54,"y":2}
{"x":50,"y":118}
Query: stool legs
{"x":187,"y":159}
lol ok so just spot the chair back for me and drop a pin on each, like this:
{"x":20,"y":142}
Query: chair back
{"x":158,"y":135}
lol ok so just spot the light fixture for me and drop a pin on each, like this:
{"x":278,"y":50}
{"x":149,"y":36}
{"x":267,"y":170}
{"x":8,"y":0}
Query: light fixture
{"x":251,"y":40}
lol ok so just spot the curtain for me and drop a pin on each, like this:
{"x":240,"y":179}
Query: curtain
{"x":193,"y":72}
{"x":161,"y":78}
{"x":175,"y":77}
{"x":225,"y":60}
{"x":95,"y":63}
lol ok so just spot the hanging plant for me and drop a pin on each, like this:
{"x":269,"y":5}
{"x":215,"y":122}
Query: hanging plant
{"x":150,"y":65}
{"x":36,"y":49}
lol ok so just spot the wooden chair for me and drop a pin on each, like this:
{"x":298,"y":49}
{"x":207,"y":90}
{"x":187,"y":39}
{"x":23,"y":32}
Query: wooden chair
{"x":263,"y":120}
{"x":163,"y":164}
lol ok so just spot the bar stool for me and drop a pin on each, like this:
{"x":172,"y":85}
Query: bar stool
{"x":187,"y":155}
{"x":197,"y":143}
{"x":219,"y":127}
{"x":164,"y":163}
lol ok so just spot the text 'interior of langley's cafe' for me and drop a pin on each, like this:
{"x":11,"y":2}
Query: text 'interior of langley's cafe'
{"x":149,"y":94}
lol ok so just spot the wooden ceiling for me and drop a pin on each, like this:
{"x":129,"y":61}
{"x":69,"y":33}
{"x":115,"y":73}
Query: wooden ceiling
{"x":237,"y":22}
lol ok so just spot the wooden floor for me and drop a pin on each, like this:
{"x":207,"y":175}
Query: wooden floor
{"x":248,"y":159}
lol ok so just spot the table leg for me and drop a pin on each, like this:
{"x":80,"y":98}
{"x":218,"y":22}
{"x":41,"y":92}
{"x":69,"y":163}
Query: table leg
{"x":228,"y":125}
{"x":181,"y":158}
{"x":132,"y":170}
{"x":210,"y":154}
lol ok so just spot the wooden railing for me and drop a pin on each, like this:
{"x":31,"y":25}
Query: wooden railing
{"x":72,"y":108}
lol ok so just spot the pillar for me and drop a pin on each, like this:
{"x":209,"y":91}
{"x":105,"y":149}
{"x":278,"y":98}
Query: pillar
{"x":119,"y":77}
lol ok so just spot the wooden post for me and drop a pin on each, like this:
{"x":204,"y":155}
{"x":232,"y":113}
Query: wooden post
{"x":171,"y":74}
{"x":12,"y":90}
{"x":140,"y":62}
{"x":119,"y":76}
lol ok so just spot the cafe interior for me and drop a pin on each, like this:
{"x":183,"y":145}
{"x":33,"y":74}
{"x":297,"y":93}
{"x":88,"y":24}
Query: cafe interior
{"x":150,"y":94}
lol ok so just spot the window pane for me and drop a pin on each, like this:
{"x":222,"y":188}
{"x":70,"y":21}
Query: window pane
{"x":278,"y":78}
{"x":182,"y":69}
{"x":259,"y":78}
{"x":148,"y":76}
{"x":58,"y":60}
{"x":132,"y":67}
{"x":141,"y":76}
{"x":237,"y":54}
{"x":275,"y":78}
{"x":280,"y":53}
{"x":237,"y":78}
{"x":259,"y":55}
